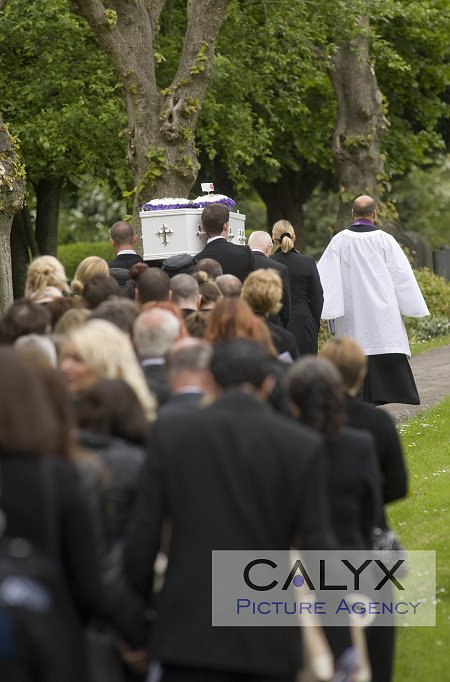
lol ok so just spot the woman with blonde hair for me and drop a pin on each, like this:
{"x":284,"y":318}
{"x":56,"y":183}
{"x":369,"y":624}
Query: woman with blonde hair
{"x":305,"y":286}
{"x":263,"y":291}
{"x":45,"y":272}
{"x":88,"y":268}
{"x":100,"y":350}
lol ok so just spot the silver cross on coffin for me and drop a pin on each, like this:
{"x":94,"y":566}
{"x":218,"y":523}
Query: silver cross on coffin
{"x":164,"y":232}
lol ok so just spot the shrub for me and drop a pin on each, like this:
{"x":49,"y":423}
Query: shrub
{"x":427,"y":328}
{"x":436,"y":291}
{"x":71,"y":255}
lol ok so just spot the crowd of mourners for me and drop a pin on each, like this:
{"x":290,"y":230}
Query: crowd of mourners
{"x":150,"y":415}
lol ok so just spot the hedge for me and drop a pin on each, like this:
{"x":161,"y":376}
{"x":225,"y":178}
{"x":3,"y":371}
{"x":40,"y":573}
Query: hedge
{"x":71,"y":255}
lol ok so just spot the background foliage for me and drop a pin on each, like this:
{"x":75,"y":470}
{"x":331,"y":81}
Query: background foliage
{"x":71,"y":255}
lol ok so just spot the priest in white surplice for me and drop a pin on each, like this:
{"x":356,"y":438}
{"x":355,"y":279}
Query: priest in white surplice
{"x":368,"y":285}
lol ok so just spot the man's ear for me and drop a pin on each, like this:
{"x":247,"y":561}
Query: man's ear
{"x":136,"y":238}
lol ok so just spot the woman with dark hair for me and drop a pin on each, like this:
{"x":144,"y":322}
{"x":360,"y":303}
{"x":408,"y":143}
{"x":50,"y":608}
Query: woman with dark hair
{"x":22,"y":318}
{"x":316,"y":395}
{"x":317,"y":398}
{"x":113,"y":425}
{"x":350,"y":360}
{"x":196,"y":323}
{"x":42,"y":503}
{"x":208,"y":290}
{"x":305,"y":286}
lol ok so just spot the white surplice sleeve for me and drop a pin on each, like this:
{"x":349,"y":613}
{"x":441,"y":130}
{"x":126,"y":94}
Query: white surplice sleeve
{"x":329,"y":267}
{"x":409,"y":297}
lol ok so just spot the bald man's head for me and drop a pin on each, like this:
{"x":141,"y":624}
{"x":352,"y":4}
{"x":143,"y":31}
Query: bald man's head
{"x":364,"y":207}
{"x":122,"y":235}
{"x":260,"y":241}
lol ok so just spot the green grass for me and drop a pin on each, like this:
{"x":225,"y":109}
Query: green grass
{"x":423,"y":522}
{"x":422,"y":346}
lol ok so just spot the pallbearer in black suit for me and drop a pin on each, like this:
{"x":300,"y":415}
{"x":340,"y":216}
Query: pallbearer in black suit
{"x":306,"y":289}
{"x":123,"y":241}
{"x":234,"y":259}
{"x":234,"y":475}
{"x":261,"y":244}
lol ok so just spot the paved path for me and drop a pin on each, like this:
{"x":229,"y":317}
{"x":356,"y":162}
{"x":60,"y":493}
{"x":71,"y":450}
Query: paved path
{"x":431,"y":371}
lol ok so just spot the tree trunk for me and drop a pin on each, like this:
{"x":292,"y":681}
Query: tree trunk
{"x":161,"y":125}
{"x":361,"y":123}
{"x":47,"y":210}
{"x":12,"y":192}
{"x":19,"y":254}
{"x":284,"y":199}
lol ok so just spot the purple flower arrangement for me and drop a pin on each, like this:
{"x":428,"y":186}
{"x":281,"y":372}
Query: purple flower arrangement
{"x":206,"y":199}
{"x":166,"y":204}
{"x":169,"y":203}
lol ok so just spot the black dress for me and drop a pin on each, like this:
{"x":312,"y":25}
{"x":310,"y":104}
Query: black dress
{"x":306,"y":298}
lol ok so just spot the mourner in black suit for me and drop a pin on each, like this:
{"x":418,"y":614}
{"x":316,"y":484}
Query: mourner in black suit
{"x":306,"y":289}
{"x":123,"y":241}
{"x":154,"y":331}
{"x":234,"y":259}
{"x":354,"y":483}
{"x":316,"y":395}
{"x":351,"y":362}
{"x":234,"y":475}
{"x":189,"y":376}
{"x":261,"y":244}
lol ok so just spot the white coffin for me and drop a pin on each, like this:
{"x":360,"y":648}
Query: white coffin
{"x":169,"y":233}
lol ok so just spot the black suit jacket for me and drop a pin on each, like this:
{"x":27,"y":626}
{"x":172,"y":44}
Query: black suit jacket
{"x":354,"y":484}
{"x":156,"y":378}
{"x":261,"y":261}
{"x":125,"y":260}
{"x":235,"y":259}
{"x":283,"y":340}
{"x":306,"y":298}
{"x":389,"y":450}
{"x":234,"y":475}
{"x":181,"y":403}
